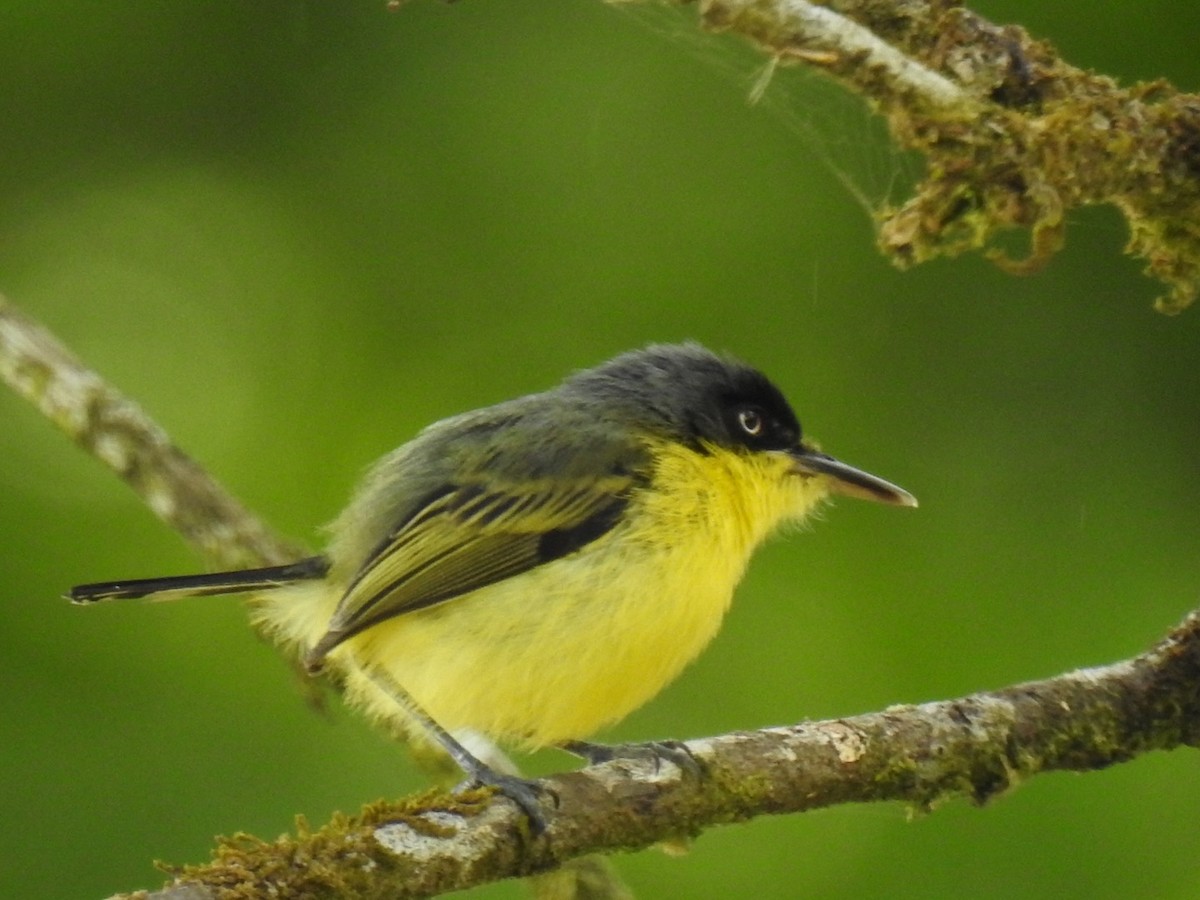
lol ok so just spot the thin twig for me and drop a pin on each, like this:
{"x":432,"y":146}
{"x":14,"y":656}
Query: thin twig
{"x":793,"y":28}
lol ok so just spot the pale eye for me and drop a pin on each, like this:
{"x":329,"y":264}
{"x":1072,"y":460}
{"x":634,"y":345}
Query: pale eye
{"x":751,"y":422}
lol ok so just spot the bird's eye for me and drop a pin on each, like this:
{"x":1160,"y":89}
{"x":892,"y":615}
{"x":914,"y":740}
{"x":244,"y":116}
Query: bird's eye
{"x":751,"y":421}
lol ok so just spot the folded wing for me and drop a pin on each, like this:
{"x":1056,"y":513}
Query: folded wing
{"x":463,"y":537}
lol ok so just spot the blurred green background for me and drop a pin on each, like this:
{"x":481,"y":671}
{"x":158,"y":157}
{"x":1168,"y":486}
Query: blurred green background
{"x":298,"y":231}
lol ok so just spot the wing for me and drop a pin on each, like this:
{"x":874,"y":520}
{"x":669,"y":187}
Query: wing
{"x":465,"y":536}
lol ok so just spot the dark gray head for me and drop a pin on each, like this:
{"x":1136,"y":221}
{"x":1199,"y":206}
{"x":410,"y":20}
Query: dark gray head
{"x":690,"y":394}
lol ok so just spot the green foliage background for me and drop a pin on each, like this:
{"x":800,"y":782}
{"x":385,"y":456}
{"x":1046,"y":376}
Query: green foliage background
{"x":298,"y":231}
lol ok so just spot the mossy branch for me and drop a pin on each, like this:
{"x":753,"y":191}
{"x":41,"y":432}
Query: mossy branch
{"x":1012,"y":135}
{"x":976,"y":746}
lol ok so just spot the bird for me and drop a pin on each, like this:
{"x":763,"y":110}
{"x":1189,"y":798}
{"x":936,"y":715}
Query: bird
{"x":537,"y":569}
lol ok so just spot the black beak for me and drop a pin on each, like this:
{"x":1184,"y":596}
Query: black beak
{"x":849,"y":481}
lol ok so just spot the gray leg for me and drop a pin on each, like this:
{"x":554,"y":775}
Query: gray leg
{"x":527,"y":794}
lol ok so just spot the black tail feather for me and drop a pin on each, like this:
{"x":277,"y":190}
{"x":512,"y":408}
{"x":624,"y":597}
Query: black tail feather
{"x":179,"y":586}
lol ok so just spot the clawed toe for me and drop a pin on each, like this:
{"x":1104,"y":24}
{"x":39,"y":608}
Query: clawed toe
{"x":526,"y":793}
{"x":674,"y":752}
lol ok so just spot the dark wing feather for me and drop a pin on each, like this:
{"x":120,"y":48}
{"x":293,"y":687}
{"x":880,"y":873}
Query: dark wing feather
{"x":465,"y":537}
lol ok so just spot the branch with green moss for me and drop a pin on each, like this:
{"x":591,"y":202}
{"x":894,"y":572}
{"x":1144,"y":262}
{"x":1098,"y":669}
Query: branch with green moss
{"x":976,"y":746}
{"x":1012,"y":135}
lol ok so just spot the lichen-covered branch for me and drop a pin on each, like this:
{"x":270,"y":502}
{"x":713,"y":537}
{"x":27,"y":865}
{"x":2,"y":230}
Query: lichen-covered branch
{"x":976,"y":746}
{"x":1012,"y":135}
{"x":118,"y":433}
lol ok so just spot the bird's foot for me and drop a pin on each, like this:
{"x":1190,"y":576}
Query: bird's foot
{"x":674,"y":752}
{"x":525,"y":792}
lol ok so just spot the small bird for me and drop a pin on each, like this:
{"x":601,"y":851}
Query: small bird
{"x":538,"y":569}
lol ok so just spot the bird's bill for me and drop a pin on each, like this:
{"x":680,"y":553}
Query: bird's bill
{"x":850,"y":482}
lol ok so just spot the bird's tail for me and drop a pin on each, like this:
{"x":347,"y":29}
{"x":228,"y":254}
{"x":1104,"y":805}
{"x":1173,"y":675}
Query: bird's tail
{"x":179,"y":586}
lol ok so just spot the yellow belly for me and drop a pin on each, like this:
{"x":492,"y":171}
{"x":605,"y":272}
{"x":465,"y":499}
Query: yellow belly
{"x":553,"y":654}
{"x":562,"y":650}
